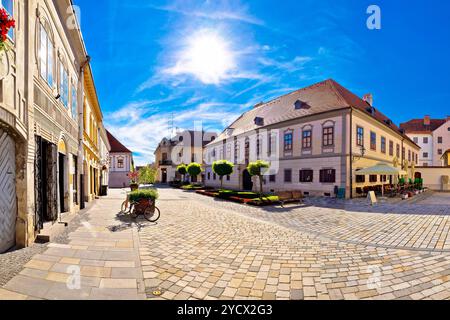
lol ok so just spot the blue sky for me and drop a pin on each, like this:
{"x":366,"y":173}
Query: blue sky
{"x":211,"y":60}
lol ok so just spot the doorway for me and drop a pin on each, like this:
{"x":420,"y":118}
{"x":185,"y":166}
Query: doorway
{"x":8,"y":205}
{"x":247,"y":181}
{"x":61,"y":182}
{"x":164,"y":175}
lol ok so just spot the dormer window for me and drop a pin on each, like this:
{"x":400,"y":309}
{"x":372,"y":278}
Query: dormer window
{"x":371,"y":110}
{"x":298,"y":105}
{"x":181,"y":139}
{"x":229,"y":131}
{"x":259,"y":121}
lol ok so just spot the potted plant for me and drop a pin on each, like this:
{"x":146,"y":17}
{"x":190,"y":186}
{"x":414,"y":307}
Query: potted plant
{"x":6,"y":23}
{"x":134,"y":177}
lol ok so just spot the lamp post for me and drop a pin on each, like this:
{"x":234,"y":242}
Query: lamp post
{"x":362,"y":151}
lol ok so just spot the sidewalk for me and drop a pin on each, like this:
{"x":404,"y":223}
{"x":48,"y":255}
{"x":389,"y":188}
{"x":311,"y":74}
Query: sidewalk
{"x":97,"y":261}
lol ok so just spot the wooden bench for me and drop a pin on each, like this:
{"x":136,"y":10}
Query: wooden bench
{"x":289,"y":197}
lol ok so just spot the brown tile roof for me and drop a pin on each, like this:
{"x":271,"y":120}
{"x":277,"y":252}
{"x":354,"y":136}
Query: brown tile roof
{"x":418,"y":125}
{"x":322,"y":97}
{"x":116,"y":145}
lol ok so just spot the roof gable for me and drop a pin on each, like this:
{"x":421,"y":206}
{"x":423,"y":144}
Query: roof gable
{"x":116,"y":145}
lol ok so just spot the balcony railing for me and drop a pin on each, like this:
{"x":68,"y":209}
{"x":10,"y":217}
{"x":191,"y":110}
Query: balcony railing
{"x":165,"y":163}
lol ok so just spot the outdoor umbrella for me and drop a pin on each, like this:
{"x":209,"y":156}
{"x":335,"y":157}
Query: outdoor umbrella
{"x":381,"y":169}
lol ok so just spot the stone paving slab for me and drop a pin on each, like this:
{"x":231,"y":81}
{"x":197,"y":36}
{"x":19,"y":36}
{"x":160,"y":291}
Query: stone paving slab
{"x":91,"y":262}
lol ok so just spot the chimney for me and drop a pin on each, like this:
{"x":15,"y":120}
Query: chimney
{"x":427,"y":121}
{"x":369,"y":99}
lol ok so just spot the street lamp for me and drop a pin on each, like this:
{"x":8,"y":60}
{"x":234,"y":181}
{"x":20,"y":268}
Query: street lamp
{"x":362,"y":151}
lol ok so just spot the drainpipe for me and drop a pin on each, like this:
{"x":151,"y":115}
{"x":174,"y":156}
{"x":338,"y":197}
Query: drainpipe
{"x":81,"y":129}
{"x":351,"y":153}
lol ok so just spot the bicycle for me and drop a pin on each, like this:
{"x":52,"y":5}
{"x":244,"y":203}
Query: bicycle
{"x":144,"y":207}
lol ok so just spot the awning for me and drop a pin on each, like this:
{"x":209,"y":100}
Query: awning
{"x":381,"y":169}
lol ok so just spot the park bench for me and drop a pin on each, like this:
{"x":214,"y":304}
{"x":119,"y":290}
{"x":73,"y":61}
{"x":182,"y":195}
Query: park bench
{"x":290,"y":197}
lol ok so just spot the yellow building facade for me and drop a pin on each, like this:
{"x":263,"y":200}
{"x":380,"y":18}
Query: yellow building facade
{"x":93,"y":125}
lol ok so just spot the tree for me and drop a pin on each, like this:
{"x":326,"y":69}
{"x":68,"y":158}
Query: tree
{"x":257,"y":169}
{"x":147,"y":175}
{"x":194,"y":169}
{"x":222,"y":168}
{"x":182,"y":169}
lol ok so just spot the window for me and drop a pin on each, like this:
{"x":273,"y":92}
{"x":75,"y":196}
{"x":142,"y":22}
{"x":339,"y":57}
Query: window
{"x":439,"y":139}
{"x":398,"y":151}
{"x":425,"y":140}
{"x":328,"y":136}
{"x":360,"y":136}
{"x":373,"y":178}
{"x":328,"y":176}
{"x":272,"y":143}
{"x":307,"y":139}
{"x":258,"y":146}
{"x":373,"y":140}
{"x":440,"y":152}
{"x":288,"y":142}
{"x":236,"y":152}
{"x":416,"y":140}
{"x":228,"y":178}
{"x":214,"y":176}
{"x":383,"y":144}
{"x":383,"y":178}
{"x":120,"y":163}
{"x":63,"y":84}
{"x":45,"y":56}
{"x":306,"y":176}
{"x":287,"y":175}
{"x":425,"y":154}
{"x":403,"y":153}
{"x":391,"y":148}
{"x":209,"y":175}
{"x":360,"y":179}
{"x":74,"y":102}
{"x":272,"y":178}
{"x":409,"y":155}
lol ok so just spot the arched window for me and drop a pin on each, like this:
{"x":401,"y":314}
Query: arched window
{"x":46,"y":53}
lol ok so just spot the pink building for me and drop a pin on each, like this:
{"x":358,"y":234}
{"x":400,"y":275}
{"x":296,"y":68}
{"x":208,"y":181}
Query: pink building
{"x":121,"y":163}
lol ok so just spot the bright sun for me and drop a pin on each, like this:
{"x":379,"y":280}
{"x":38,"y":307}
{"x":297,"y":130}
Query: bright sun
{"x":207,"y":56}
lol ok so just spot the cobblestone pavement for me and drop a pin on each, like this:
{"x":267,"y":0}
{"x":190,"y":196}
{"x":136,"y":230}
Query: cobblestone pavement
{"x":207,"y":249}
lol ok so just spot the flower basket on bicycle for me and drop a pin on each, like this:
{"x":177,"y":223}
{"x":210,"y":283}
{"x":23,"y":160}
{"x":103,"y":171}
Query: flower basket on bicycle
{"x":142,"y":202}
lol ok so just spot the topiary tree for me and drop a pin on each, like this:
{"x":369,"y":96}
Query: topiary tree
{"x":222,"y":168}
{"x":182,"y":169}
{"x":194,"y":169}
{"x":257,"y":169}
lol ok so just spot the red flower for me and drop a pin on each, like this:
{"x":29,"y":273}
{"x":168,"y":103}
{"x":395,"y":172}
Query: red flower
{"x":6,"y":23}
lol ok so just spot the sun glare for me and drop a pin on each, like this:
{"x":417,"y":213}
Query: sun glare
{"x":207,"y":56}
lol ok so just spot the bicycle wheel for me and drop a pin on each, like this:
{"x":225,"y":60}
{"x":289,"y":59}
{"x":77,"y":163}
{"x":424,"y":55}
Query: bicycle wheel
{"x":152,"y":214}
{"x":125,"y":206}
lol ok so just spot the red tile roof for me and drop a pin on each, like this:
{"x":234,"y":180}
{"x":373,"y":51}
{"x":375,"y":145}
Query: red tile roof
{"x":116,"y":145}
{"x":418,"y":125}
{"x":321,"y":97}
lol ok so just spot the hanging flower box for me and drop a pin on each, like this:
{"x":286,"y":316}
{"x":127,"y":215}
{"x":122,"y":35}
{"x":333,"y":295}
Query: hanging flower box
{"x":6,"y":23}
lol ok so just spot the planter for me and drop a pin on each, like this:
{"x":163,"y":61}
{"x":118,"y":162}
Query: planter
{"x":134,"y":187}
